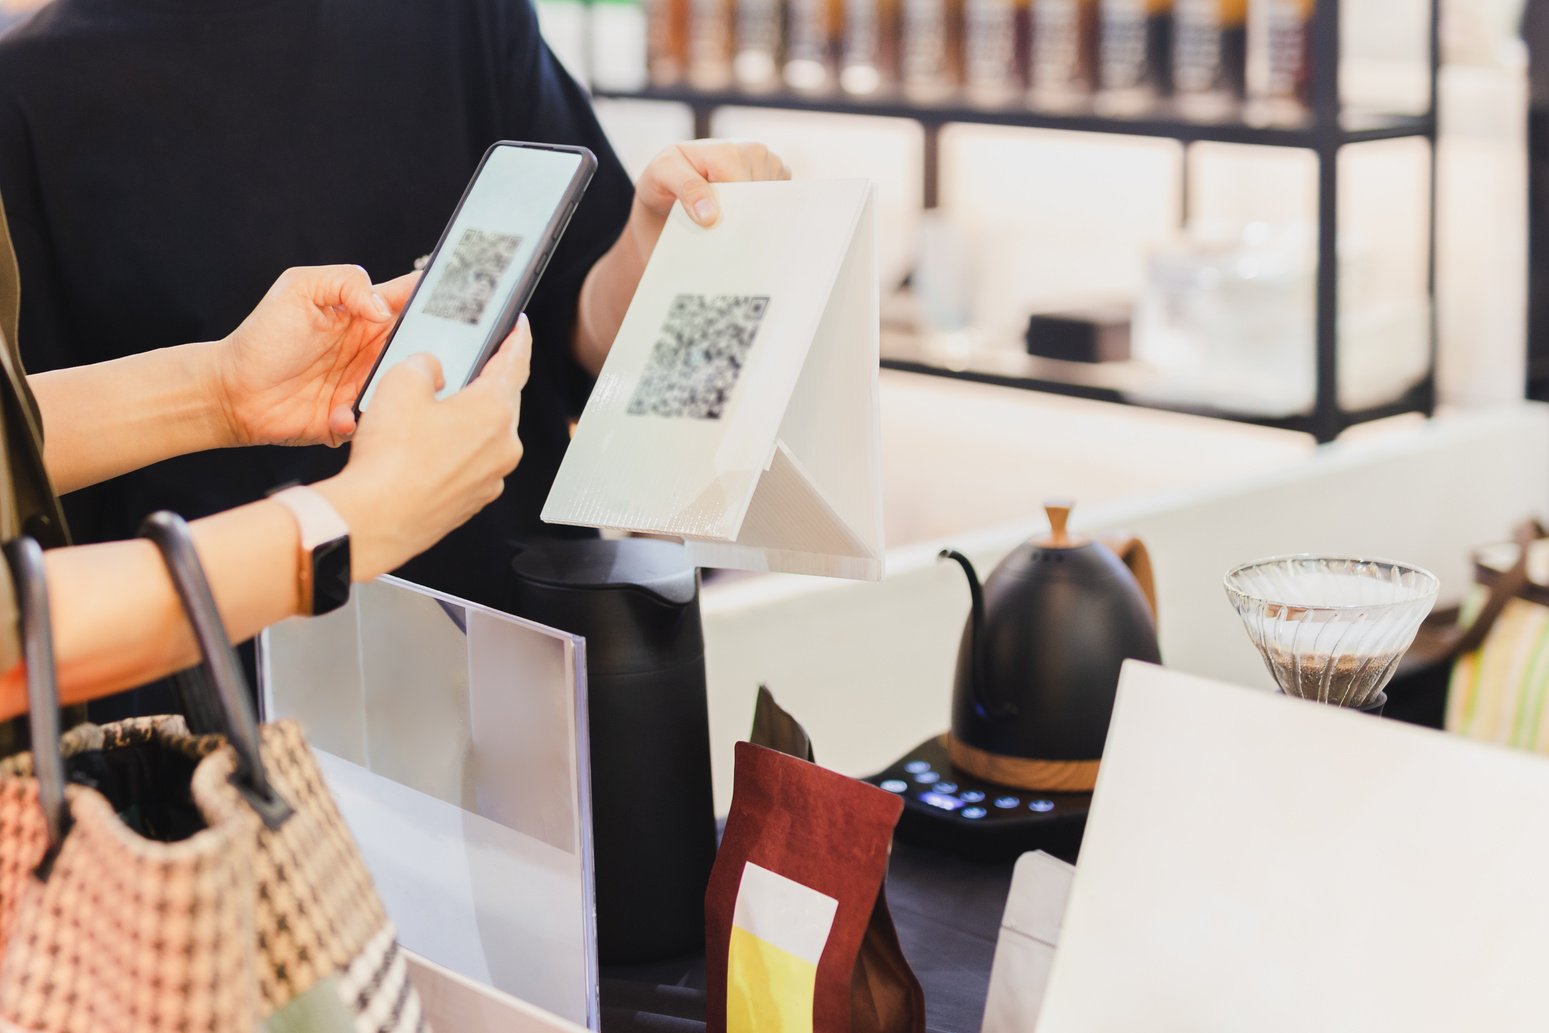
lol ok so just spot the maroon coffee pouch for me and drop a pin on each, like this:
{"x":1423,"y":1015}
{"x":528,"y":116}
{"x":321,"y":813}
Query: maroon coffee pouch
{"x":798,"y":937}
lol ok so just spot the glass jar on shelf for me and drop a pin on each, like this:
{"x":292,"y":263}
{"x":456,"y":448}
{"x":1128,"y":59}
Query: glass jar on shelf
{"x":996,"y":42}
{"x":812,"y":44}
{"x":931,"y":50}
{"x":869,"y":59}
{"x":760,"y":44}
{"x":711,"y":43}
{"x":1064,"y":52}
{"x":1279,"y":60}
{"x":1210,"y":57}
{"x":666,"y":24}
{"x":1132,"y":54}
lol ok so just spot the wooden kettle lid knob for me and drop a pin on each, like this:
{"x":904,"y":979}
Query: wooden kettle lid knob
{"x":1059,"y":536}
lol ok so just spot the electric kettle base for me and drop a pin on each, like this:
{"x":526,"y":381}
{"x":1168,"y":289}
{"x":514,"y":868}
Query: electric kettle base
{"x":951,"y":810}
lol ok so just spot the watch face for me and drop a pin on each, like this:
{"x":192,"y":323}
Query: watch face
{"x":331,"y":575}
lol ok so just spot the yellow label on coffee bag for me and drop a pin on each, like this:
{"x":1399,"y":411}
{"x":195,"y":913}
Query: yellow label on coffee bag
{"x":768,"y":990}
{"x":779,"y":930}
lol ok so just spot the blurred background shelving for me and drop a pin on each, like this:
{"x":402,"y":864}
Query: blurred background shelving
{"x":1325,"y":128}
{"x":1055,"y":209}
{"x":1043,"y":240}
{"x":1162,"y":121}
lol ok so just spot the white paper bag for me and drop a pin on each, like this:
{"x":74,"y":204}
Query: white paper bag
{"x":738,"y":407}
{"x":1029,"y":933}
{"x":1267,"y":864}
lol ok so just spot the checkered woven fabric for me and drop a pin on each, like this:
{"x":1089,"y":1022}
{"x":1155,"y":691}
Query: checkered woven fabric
{"x":22,"y":837}
{"x":126,"y":935}
{"x":318,"y":912}
{"x":112,"y":942}
{"x":22,"y":834}
{"x":377,"y":986}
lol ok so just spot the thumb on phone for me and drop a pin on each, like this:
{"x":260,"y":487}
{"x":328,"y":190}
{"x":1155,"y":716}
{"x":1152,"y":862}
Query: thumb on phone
{"x":418,"y":377}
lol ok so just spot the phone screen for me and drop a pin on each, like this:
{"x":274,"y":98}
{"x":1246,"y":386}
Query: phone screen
{"x":501,"y":229}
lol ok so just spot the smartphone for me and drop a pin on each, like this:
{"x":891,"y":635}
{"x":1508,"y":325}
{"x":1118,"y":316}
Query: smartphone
{"x":489,"y":258}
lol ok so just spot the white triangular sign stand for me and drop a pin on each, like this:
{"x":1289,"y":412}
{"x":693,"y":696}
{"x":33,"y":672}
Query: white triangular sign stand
{"x":738,"y":407}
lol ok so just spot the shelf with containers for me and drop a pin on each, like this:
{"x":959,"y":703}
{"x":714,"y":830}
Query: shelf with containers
{"x":1321,"y":125}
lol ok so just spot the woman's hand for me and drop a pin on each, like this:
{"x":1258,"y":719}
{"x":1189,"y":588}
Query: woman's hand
{"x":290,"y":374}
{"x":421,"y":467}
{"x":680,"y":174}
{"x":683,"y":173}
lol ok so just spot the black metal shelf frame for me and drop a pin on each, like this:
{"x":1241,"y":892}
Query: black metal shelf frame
{"x":1161,"y":122}
{"x":1326,"y":132}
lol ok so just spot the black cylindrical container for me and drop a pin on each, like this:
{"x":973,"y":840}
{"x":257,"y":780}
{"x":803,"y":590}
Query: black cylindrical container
{"x":636,"y":601}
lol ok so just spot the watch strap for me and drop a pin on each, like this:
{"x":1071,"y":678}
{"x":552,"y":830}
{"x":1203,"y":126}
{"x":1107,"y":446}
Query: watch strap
{"x":318,"y":521}
{"x":320,"y":526}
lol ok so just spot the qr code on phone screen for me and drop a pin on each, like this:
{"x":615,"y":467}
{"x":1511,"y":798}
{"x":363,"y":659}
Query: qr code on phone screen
{"x":472,"y":271}
{"x":699,"y":354}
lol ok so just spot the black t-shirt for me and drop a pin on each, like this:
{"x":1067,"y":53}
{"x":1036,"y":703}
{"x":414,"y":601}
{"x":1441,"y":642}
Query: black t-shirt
{"x":163,"y":161}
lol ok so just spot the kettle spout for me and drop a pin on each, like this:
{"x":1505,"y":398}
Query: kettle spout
{"x":975,"y":589}
{"x":976,"y":635}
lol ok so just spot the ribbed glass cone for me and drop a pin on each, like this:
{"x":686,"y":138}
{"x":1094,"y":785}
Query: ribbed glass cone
{"x":1331,"y":629}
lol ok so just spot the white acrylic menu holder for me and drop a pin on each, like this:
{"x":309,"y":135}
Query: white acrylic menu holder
{"x":738,"y":406}
{"x":456,"y":1004}
{"x":1254,"y":862}
{"x":454,"y":739}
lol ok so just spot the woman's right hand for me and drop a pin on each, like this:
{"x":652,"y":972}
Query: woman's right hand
{"x":421,"y":467}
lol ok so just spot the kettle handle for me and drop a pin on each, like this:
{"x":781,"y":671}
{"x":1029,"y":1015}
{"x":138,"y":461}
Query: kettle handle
{"x":1137,"y":558}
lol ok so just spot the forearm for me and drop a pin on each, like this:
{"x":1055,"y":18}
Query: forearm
{"x":607,"y":292}
{"x":106,"y":419}
{"x":116,"y":616}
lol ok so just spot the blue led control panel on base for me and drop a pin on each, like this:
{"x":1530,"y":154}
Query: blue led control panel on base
{"x":950,"y":809}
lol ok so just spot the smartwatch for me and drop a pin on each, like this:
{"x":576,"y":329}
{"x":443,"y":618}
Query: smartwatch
{"x":325,"y":549}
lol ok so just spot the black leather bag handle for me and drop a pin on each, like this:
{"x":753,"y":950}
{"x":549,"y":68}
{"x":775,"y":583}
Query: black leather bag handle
{"x":25,"y":558}
{"x":232,"y":700}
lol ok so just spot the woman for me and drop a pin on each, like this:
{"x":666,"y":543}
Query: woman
{"x":304,"y":132}
{"x":419,"y":466}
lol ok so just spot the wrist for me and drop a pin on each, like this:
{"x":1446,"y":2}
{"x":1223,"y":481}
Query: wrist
{"x":371,"y":550}
{"x":209,"y":362}
{"x":641,"y":232}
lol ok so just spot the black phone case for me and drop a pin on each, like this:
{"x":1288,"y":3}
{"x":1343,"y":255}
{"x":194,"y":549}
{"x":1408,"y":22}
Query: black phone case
{"x":522,"y":293}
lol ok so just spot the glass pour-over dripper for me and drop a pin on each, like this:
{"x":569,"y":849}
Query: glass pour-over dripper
{"x":1332,"y":629}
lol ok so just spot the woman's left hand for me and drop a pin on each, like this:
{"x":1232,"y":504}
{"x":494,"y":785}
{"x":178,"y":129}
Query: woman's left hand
{"x":683,"y":173}
{"x":290,"y":374}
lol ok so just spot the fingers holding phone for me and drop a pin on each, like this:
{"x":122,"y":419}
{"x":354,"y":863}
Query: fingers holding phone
{"x":508,"y":369}
{"x":488,"y":261}
{"x":421,"y":466}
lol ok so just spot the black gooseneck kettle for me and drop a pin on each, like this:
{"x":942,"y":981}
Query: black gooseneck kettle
{"x":1038,"y":668}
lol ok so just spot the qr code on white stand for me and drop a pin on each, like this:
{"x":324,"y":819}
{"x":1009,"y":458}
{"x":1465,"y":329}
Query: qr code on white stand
{"x":698,"y":356}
